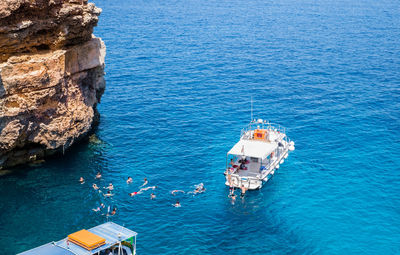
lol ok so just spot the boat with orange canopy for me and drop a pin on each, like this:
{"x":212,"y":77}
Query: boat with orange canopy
{"x":107,"y":238}
{"x":262,"y":148}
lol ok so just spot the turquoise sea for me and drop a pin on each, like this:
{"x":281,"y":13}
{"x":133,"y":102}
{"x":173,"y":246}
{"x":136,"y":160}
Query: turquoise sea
{"x":180,"y":75}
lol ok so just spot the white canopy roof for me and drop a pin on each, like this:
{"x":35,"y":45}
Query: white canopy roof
{"x":253,"y":148}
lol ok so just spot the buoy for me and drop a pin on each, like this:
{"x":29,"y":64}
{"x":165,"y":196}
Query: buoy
{"x":291,"y":143}
{"x":277,"y":167}
{"x":291,"y":148}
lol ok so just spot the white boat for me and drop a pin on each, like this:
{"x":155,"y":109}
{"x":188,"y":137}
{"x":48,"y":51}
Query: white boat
{"x":104,"y":239}
{"x":252,"y":161}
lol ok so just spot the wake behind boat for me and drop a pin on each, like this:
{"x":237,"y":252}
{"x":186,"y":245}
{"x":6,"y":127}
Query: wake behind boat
{"x":262,"y":147}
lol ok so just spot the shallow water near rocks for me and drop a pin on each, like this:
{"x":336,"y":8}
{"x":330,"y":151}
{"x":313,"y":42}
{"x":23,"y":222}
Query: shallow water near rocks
{"x":180,"y":75}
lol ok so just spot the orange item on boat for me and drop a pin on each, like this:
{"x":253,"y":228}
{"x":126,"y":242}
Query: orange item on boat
{"x":86,"y":239}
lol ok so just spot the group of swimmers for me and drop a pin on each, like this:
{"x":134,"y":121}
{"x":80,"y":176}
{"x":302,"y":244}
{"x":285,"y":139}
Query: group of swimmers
{"x":199,"y":188}
{"x":109,"y":188}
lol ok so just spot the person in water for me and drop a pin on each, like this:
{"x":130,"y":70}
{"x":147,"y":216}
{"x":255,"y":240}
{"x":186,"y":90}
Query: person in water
{"x":231,"y":189}
{"x":243,"y":191}
{"x":129,"y":181}
{"x":110,"y":187}
{"x":98,"y":175}
{"x":81,"y":180}
{"x":108,"y":194}
{"x":99,"y":208}
{"x":176,"y":190}
{"x":147,"y":188}
{"x":113,"y":211}
{"x":177,"y":204}
{"x":95,"y":187}
{"x":145,"y":182}
{"x":233,"y":198}
{"x":134,"y":193}
{"x":152,"y":196}
{"x":199,"y":189}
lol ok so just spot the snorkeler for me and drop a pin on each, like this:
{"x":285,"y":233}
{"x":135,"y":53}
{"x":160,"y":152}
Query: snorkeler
{"x":81,"y":180}
{"x":152,"y":196}
{"x":176,"y":190}
{"x":98,"y":175}
{"x":145,"y":182}
{"x":108,"y":194}
{"x":177,"y":204}
{"x":95,"y":187}
{"x":129,"y":181}
{"x":109,"y":187}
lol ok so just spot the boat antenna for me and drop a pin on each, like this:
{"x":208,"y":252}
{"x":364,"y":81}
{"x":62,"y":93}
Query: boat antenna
{"x":251,"y":109}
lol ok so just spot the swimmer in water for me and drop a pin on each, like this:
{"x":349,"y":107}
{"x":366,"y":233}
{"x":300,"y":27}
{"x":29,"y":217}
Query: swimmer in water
{"x":147,"y":188}
{"x":110,"y":187}
{"x":134,"y":193}
{"x":176,"y":190}
{"x":98,"y":175}
{"x":199,"y":188}
{"x":81,"y":180}
{"x":108,"y":194}
{"x":113,"y":211}
{"x":145,"y":182}
{"x":177,"y":204}
{"x":99,"y":208}
{"x":152,"y":196}
{"x":243,"y":191}
{"x":129,"y":181}
{"x":95,"y":186}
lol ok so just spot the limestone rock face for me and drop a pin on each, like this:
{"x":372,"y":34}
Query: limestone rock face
{"x":51,"y":76}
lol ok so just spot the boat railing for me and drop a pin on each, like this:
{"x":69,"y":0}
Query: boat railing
{"x":247,"y":134}
{"x":238,"y":180}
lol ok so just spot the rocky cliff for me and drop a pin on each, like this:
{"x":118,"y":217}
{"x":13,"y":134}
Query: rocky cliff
{"x":51,"y":76}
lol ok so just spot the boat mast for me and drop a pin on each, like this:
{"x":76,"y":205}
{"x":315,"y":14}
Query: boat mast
{"x":251,"y":109}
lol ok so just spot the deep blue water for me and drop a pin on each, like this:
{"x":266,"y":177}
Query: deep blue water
{"x":180,"y":75}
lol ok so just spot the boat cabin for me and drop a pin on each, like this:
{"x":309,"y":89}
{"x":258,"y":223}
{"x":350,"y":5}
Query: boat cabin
{"x":104,"y":239}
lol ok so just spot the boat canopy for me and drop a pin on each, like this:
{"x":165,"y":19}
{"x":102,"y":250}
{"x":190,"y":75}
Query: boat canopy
{"x":110,"y":231}
{"x":253,"y":148}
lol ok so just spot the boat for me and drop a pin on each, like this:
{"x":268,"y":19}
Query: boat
{"x":262,"y":148}
{"x":107,"y":238}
